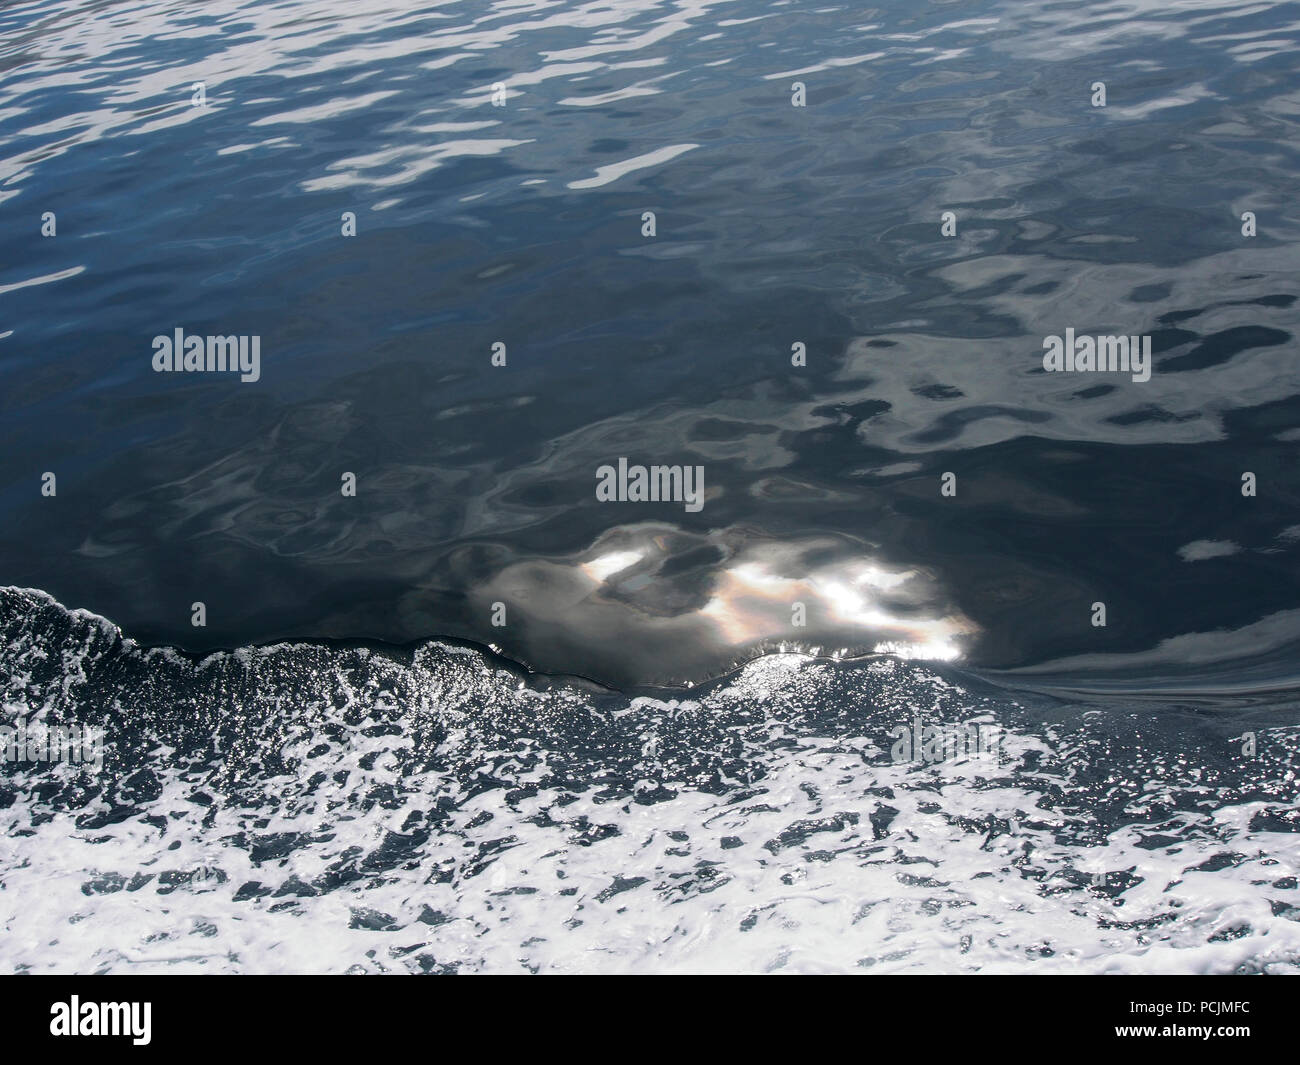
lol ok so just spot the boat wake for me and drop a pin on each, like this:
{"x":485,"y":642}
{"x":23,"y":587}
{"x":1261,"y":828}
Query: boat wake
{"x":334,"y":808}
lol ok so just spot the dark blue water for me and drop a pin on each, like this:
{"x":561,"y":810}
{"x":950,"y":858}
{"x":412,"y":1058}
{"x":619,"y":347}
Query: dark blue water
{"x":824,"y":530}
{"x":775,"y":225}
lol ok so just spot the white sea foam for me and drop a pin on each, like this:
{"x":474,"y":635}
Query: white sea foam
{"x":440,"y":815}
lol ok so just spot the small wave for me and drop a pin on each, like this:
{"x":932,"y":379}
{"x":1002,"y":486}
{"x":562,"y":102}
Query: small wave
{"x":313,"y":807}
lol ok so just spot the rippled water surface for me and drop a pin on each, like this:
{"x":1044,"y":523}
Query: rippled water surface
{"x":775,"y":225}
{"x":383,"y":792}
